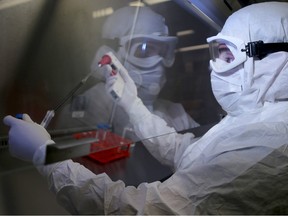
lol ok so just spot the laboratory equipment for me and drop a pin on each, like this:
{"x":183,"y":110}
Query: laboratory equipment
{"x":109,"y":146}
{"x":118,"y":87}
{"x":102,"y":129}
{"x":100,"y":145}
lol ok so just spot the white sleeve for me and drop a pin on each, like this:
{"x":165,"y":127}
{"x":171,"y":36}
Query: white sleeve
{"x":162,"y":141}
{"x":216,"y":181}
{"x":80,"y":191}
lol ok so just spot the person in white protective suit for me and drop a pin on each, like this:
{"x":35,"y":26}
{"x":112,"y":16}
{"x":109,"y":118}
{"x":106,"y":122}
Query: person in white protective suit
{"x":238,"y":167}
{"x":144,"y":47}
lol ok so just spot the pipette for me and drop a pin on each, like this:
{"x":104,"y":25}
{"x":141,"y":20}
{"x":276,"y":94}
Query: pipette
{"x":116,"y":90}
{"x":50,"y":113}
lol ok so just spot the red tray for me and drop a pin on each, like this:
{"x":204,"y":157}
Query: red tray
{"x":109,"y":147}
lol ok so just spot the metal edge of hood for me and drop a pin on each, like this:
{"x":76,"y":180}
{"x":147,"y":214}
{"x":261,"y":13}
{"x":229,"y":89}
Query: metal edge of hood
{"x":213,"y":12}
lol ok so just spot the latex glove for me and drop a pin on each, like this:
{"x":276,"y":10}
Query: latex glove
{"x":129,"y":96}
{"x":27,"y":139}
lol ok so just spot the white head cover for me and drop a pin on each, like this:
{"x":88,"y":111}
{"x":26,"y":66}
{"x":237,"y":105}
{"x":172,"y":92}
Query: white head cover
{"x":249,"y":85}
{"x":122,"y":23}
{"x":129,"y":23}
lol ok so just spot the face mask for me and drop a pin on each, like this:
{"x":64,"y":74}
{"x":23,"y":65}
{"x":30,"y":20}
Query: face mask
{"x":149,"y":82}
{"x":227,"y":89}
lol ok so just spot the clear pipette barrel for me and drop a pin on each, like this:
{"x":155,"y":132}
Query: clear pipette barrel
{"x":50,"y":113}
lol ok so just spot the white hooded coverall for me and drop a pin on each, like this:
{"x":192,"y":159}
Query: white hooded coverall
{"x":238,"y":167}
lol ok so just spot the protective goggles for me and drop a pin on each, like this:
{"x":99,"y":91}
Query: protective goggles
{"x":228,"y":52}
{"x":146,"y":46}
{"x":225,"y":52}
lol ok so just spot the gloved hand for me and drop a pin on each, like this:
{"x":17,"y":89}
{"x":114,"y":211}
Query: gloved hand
{"x":129,"y":96}
{"x":27,"y":139}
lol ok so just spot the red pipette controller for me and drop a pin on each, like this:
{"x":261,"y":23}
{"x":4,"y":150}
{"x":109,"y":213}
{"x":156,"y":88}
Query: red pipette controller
{"x":116,"y":90}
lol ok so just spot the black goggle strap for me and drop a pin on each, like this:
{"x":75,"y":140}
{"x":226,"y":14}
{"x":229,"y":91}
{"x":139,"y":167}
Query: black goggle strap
{"x":259,"y":49}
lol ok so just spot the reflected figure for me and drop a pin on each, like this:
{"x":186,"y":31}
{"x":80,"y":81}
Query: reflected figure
{"x":140,"y":39}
